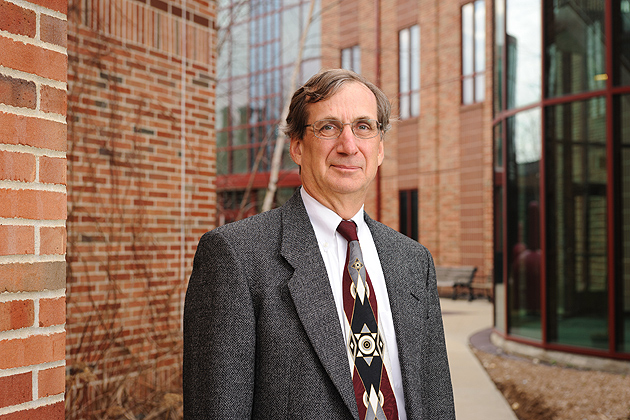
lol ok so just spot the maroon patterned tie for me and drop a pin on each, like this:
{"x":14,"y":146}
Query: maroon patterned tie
{"x":372,"y":388}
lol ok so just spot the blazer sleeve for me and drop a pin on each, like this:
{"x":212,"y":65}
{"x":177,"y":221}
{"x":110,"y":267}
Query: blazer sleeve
{"x":437,"y":387}
{"x":219,"y":335}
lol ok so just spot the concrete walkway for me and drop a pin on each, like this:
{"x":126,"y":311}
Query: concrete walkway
{"x":476,"y":396}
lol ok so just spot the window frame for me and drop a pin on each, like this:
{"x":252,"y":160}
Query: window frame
{"x":473,"y":63}
{"x":351,"y":58}
{"x":409,"y":72}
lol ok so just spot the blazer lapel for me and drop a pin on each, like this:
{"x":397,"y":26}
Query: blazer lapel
{"x":313,"y":298}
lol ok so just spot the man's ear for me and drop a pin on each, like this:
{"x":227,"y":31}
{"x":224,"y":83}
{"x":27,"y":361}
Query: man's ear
{"x":295,"y":150}
{"x":381,"y":152}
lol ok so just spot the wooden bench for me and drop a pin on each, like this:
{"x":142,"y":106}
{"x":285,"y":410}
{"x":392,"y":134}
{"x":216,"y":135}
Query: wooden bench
{"x":456,"y":278}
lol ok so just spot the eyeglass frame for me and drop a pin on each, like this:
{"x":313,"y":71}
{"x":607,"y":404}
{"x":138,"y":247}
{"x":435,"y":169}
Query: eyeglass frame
{"x":379,"y":128}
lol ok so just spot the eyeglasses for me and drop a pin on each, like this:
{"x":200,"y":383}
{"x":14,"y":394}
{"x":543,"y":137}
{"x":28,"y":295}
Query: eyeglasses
{"x":331,"y":129}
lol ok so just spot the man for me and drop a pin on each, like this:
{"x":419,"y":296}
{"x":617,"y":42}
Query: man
{"x":281,"y":320}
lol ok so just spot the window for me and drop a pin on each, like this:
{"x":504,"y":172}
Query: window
{"x":578,"y":65}
{"x":409,"y":72}
{"x":473,"y":52}
{"x":351,"y":58}
{"x":408,"y":202}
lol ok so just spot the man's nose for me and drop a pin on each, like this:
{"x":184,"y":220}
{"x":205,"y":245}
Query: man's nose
{"x":347,"y":141}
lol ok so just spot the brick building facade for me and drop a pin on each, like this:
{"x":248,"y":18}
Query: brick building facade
{"x":33,"y":68}
{"x":141,"y":167}
{"x":435,"y":183}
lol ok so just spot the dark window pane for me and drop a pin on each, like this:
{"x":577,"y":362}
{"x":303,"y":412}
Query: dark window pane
{"x":408,"y":213}
{"x":523,"y":146}
{"x":577,"y":259}
{"x":240,"y":161}
{"x":414,"y":214}
{"x":499,"y":288}
{"x":403,"y":215}
{"x":222,"y":162}
{"x":621,"y":31}
{"x":624,"y":295}
{"x":575,"y":47}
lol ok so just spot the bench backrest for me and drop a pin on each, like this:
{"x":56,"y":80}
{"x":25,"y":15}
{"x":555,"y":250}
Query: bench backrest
{"x":462,"y":274}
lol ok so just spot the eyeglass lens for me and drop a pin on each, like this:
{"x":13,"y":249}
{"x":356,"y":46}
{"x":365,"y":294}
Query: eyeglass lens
{"x":331,"y":129}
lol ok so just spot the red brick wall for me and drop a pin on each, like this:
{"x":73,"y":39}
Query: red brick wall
{"x":128,"y":262}
{"x":33,"y":68}
{"x":446,"y":153}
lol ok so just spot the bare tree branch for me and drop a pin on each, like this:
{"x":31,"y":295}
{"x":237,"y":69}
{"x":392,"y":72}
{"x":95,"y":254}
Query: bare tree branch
{"x":279,"y":144}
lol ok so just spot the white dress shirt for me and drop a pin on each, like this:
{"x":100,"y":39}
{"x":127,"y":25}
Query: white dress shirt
{"x":333,"y":248}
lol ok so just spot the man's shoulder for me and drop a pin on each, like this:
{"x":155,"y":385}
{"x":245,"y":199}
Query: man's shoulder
{"x":382,"y":231}
{"x":254,"y":227}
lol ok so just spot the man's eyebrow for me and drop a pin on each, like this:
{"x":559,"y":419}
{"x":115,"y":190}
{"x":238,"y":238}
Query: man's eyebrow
{"x":363,"y":117}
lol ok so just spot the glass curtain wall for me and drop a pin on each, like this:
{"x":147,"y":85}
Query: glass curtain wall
{"x":523,"y":150}
{"x":577,"y":259}
{"x":562,"y":109}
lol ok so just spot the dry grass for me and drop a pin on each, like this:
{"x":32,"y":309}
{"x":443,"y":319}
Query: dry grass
{"x":127,"y":397}
{"x":542,"y":392}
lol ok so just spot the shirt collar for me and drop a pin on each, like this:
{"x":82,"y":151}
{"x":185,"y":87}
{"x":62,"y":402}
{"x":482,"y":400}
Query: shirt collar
{"x":323,"y":219}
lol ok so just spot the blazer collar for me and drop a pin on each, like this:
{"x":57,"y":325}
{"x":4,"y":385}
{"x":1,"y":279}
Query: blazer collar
{"x":313,"y":298}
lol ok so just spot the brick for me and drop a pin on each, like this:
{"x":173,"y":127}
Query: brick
{"x":17,"y":20}
{"x":32,"y":277}
{"x":53,"y":100}
{"x":16,"y":389}
{"x":51,"y":381}
{"x":52,"y":240}
{"x":33,"y":204}
{"x":53,"y":30}
{"x":16,"y":314}
{"x":17,"y":240}
{"x":32,"y":131}
{"x":17,"y":166}
{"x":33,"y":350}
{"x":52,"y":170}
{"x":56,"y":5}
{"x":33,"y":59}
{"x":52,"y":312}
{"x":17,"y":92}
{"x":54,"y":411}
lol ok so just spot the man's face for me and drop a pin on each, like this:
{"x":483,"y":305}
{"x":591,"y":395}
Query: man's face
{"x":335,"y":171}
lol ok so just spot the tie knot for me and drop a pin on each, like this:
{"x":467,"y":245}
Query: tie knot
{"x":348,"y":230}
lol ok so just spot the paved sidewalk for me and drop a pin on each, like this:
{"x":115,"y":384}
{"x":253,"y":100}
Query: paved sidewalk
{"x":476,"y":396}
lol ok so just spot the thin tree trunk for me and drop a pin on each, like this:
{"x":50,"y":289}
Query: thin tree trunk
{"x":279,"y":144}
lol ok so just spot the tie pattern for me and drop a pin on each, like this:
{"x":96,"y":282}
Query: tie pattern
{"x":372,"y":388}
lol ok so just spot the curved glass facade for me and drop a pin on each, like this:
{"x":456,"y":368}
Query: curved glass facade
{"x":562,"y":174}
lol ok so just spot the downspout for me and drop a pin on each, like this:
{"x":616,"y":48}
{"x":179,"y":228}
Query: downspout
{"x":182,"y":244}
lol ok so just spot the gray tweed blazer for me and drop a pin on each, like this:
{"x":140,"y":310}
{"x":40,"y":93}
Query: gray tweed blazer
{"x":261,"y":333}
